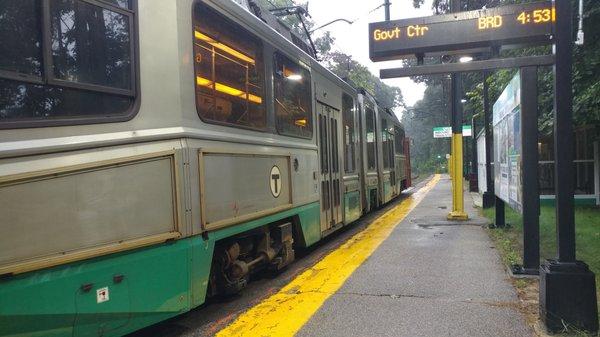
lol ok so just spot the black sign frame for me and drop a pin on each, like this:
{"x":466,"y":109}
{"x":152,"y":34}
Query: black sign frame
{"x":504,"y":26}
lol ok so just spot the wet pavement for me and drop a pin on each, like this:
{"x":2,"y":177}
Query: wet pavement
{"x":431,"y":277}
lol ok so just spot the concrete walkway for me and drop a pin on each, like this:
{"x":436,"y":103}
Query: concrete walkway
{"x":431,"y":277}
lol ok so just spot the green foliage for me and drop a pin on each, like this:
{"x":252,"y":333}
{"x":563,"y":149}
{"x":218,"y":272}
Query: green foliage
{"x":586,"y":82}
{"x":509,"y":240}
{"x":419,"y":122}
{"x":344,"y":66}
{"x":443,"y":6}
{"x":340,"y":63}
{"x":292,"y":21}
{"x":324,"y":44}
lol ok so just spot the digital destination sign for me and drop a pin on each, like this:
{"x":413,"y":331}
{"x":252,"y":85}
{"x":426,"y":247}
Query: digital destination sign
{"x":530,"y":23}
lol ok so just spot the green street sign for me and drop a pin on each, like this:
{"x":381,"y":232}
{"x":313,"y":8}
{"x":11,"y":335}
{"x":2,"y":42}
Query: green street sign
{"x":446,"y":131}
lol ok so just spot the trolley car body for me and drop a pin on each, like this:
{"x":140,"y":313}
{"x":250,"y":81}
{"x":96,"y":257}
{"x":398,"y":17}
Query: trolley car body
{"x":113,"y":221}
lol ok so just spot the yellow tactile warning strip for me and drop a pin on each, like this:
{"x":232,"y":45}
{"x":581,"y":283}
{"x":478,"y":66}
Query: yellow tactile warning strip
{"x":284,"y":313}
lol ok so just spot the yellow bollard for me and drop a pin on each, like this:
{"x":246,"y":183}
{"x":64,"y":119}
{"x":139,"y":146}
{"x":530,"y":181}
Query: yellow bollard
{"x":458,"y":202}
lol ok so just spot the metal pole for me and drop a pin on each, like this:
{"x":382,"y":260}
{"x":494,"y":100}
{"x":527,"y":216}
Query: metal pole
{"x":387,"y":5}
{"x":458,"y":209}
{"x":529,"y":170}
{"x":597,"y":172}
{"x":473,"y":183}
{"x":488,"y":196}
{"x":458,"y":206}
{"x":563,"y":133}
{"x":500,"y":214}
{"x":567,"y":286}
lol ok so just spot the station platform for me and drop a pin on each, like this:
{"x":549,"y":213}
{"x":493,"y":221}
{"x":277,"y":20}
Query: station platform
{"x":410,"y":273}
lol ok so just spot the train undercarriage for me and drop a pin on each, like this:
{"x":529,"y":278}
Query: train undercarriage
{"x":236,"y":259}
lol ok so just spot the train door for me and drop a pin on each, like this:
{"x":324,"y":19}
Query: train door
{"x":329,"y":123}
{"x":392,"y":158}
{"x":372,"y":187}
{"x":387,"y":174}
{"x":401,"y":157}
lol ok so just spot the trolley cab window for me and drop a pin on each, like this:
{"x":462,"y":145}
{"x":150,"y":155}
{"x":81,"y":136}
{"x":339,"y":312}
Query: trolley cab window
{"x":229,"y":71}
{"x":292,"y":98}
{"x":85,"y":71}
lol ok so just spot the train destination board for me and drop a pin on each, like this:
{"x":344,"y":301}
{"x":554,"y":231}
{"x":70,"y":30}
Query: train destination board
{"x":530,"y":23}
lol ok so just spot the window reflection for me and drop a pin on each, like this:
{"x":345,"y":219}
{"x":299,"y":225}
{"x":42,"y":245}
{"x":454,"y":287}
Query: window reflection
{"x":293,"y":108}
{"x":91,"y":48}
{"x":90,"y":44}
{"x":31,"y":101}
{"x":399,"y":140}
{"x":120,"y":3}
{"x":20,"y":37}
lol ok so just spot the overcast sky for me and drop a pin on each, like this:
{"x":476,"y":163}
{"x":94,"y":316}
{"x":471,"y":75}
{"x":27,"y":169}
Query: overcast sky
{"x":353,"y":39}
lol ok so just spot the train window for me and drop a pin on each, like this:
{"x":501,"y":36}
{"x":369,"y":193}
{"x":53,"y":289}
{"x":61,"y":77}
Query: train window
{"x":390,"y":147}
{"x":385,"y":143}
{"x":120,"y":3}
{"x":335,"y":162}
{"x":91,"y":44}
{"x":349,"y":133}
{"x":21,"y":38}
{"x":324,"y":143}
{"x":399,"y":139}
{"x":31,"y":102}
{"x":370,"y":128}
{"x":229,"y":71}
{"x":293,"y":105}
{"x":84,"y":74}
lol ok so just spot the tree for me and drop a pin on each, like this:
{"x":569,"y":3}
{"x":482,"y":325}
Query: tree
{"x":419,"y":122}
{"x":291,"y":21}
{"x":586,"y":62}
{"x":340,"y":63}
{"x":324,"y":44}
{"x":586,"y":84}
{"x":443,"y":6}
{"x":344,"y":66}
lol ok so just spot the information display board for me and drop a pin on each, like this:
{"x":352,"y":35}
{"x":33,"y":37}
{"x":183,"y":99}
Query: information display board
{"x":507,"y":145}
{"x":507,"y":25}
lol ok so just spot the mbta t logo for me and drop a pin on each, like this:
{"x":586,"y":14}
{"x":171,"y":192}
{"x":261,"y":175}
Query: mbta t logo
{"x":275,"y":181}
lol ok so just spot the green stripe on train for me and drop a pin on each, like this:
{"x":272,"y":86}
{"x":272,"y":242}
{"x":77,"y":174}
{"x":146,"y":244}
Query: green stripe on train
{"x":145,"y":286}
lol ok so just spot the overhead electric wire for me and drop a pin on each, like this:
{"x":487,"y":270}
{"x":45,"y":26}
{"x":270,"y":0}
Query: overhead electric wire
{"x":350,"y":22}
{"x":371,"y":11}
{"x":305,"y":12}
